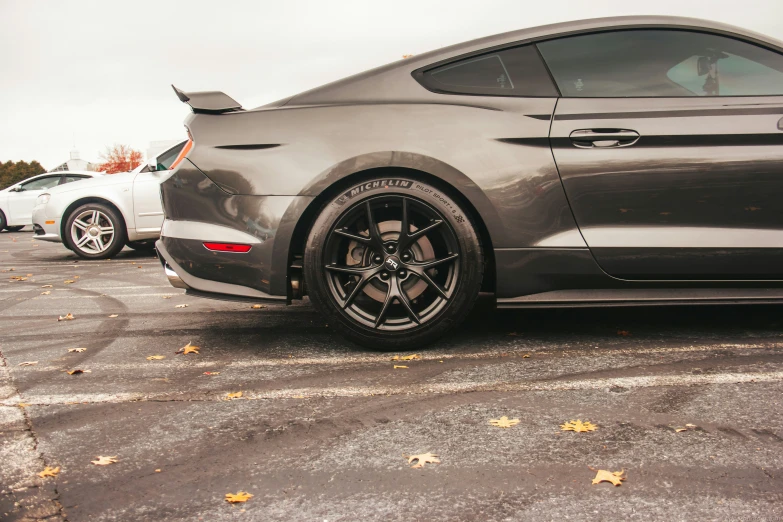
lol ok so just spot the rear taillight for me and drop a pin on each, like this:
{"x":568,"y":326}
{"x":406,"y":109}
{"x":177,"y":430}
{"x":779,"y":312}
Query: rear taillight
{"x":227,"y":247}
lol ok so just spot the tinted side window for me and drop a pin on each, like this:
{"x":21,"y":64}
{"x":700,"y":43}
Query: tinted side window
{"x":42,"y":183}
{"x":661,"y":63}
{"x":509,"y":72}
{"x":167,"y":158}
{"x":74,"y":177}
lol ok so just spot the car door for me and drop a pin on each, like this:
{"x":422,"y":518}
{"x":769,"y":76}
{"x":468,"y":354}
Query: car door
{"x":22,"y":201}
{"x":147,"y":207}
{"x":670,"y":148}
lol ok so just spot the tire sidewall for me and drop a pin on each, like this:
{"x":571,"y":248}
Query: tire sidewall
{"x":471,"y":262}
{"x":118,"y":223}
{"x":3,"y":221}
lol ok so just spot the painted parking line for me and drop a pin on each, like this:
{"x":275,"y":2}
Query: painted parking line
{"x":412,"y":389}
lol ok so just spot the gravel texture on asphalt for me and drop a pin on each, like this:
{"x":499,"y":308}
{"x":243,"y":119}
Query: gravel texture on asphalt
{"x":321,"y":428}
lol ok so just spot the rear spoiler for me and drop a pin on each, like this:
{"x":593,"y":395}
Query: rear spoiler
{"x":208,"y":102}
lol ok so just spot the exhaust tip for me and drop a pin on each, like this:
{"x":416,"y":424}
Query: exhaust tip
{"x":173,"y":278}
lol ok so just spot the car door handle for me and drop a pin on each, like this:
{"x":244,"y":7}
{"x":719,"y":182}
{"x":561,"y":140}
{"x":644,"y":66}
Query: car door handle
{"x":603,"y":138}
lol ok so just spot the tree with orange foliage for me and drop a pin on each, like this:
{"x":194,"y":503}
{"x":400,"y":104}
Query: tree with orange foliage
{"x":119,"y":158}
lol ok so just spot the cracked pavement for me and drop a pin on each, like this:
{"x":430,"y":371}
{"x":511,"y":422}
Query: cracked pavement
{"x":322,"y":426}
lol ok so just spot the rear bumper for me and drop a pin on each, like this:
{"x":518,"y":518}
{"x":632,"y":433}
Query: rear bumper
{"x":179,"y":278}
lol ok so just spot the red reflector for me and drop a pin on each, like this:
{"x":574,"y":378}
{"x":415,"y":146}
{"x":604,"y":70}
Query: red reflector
{"x":227,"y":247}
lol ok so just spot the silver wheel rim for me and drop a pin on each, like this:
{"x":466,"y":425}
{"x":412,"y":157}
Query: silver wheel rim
{"x":92,"y":232}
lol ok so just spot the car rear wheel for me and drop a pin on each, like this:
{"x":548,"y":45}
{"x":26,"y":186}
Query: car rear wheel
{"x":3,"y":222}
{"x":94,"y":231}
{"x":394,"y":263}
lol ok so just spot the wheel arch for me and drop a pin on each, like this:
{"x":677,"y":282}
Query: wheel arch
{"x":90,"y":199}
{"x":325,"y":191}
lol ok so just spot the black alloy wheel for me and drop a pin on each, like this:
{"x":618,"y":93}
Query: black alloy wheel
{"x":397,"y":269}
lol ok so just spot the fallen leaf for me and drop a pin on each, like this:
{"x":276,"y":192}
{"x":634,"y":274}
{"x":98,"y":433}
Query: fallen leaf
{"x":18,"y":278}
{"x":624,"y":210}
{"x":28,"y":363}
{"x":104,"y":461}
{"x":112,"y":316}
{"x":257,"y":307}
{"x":512,"y":334}
{"x":422,"y":459}
{"x":526,"y":356}
{"x":76,"y":277}
{"x":156,"y":357}
{"x":399,"y":366}
{"x":23,"y":405}
{"x":47,"y":286}
{"x":578,"y":426}
{"x":615,"y":477}
{"x":188,"y":348}
{"x":181,"y":306}
{"x":686,"y":428}
{"x":235,"y":395}
{"x":46,"y":292}
{"x":49,"y":472}
{"x":157,"y":471}
{"x":406,"y":357}
{"x":504,"y":422}
{"x":211,"y":373}
{"x":624,"y":333}
{"x":29,"y":275}
{"x":68,"y":317}
{"x":77,"y":350}
{"x":753,"y":209}
{"x":68,"y":282}
{"x":241,"y":496}
{"x":138,"y":267}
{"x":166,"y":297}
{"x":78,"y":371}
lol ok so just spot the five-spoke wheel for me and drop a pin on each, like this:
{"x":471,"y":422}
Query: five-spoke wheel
{"x":394,"y":267}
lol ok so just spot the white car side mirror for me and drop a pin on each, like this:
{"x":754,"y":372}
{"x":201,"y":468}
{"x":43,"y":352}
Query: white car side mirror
{"x":152,"y":163}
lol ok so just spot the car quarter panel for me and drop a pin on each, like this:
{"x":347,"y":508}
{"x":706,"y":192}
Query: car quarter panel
{"x":493,"y":150}
{"x":197,"y":210}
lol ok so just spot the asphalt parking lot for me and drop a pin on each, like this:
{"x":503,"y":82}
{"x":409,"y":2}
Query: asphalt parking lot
{"x":321,"y":427}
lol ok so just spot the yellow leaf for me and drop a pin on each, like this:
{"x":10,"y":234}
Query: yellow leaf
{"x":23,"y":405}
{"x":156,"y":357}
{"x":112,"y":316}
{"x":157,"y":471}
{"x":68,"y":317}
{"x":49,"y":472}
{"x":241,"y":496}
{"x":578,"y":426}
{"x":422,"y":459}
{"x":46,"y":292}
{"x":166,"y":297}
{"x":504,"y":422}
{"x":406,"y":357}
{"x":47,"y":286}
{"x":257,"y":306}
{"x":211,"y":373}
{"x":78,"y":371}
{"x":77,"y":350}
{"x":235,"y":395}
{"x":28,"y":363}
{"x":181,"y":306}
{"x":526,"y":356}
{"x":188,"y":348}
{"x":68,"y":282}
{"x":104,"y":461}
{"x":615,"y":477}
{"x":399,"y":366}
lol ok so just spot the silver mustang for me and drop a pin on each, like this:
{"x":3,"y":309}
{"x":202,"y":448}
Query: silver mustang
{"x":620,"y":161}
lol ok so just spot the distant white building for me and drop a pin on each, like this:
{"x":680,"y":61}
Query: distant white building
{"x":75,"y":163}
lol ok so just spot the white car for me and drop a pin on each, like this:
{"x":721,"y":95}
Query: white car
{"x":97,"y":218}
{"x":18,"y":200}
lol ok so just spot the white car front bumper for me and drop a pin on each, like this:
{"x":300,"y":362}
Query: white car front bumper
{"x":46,"y":228}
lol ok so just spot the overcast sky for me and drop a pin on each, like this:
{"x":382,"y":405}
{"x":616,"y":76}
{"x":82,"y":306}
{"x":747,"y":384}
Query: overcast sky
{"x":94,"y":73}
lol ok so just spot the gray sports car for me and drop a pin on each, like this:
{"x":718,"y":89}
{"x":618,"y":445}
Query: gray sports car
{"x":619,"y":161}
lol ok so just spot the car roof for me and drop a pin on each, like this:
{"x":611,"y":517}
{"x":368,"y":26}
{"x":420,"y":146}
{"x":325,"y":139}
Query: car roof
{"x":393,"y":81}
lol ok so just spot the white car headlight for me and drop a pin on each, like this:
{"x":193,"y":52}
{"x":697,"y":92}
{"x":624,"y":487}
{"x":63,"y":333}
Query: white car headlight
{"x":43,"y":199}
